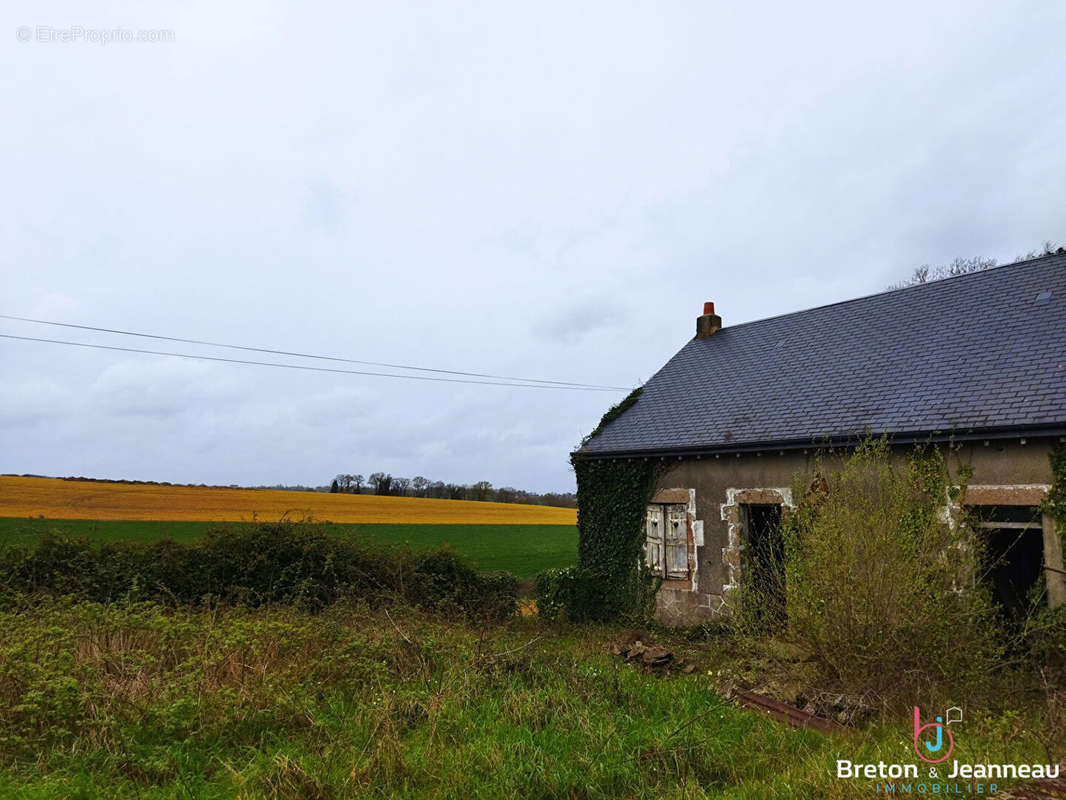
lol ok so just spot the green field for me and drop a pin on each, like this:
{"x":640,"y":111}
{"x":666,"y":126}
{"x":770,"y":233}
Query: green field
{"x":369,"y":697}
{"x":523,"y":550}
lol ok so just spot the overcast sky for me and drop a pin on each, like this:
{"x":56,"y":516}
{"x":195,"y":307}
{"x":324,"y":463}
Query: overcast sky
{"x":536,"y":189}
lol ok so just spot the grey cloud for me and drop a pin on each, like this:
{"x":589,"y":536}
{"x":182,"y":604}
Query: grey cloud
{"x":326,"y":206}
{"x":496,"y":188}
{"x":574,"y":322}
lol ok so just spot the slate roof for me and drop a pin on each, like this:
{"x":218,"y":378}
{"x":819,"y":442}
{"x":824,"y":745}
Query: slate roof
{"x":974,"y":354}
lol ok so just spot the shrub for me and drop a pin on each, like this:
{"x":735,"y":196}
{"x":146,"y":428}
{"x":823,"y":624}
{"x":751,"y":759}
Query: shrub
{"x":267,"y":563}
{"x":880,"y":585}
{"x":495,"y":596}
{"x":553,"y":590}
{"x":1044,"y":636}
{"x":444,"y":580}
{"x":287,"y":563}
{"x":586,"y":595}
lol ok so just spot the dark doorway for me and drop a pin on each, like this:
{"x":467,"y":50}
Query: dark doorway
{"x":1013,"y":557}
{"x":764,"y":563}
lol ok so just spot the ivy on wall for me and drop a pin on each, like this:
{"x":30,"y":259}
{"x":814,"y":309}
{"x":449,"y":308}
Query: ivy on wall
{"x":1047,"y":633}
{"x":612,"y":500}
{"x":610,"y":581}
{"x":1055,"y":502}
{"x":614,"y":412}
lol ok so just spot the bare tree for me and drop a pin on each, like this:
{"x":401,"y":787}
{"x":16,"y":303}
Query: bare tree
{"x":482,"y":490}
{"x":960,"y":266}
{"x":964,"y":266}
{"x":381,"y":482}
{"x":1049,"y":249}
{"x":563,"y":500}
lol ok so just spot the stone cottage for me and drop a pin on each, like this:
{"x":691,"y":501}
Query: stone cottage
{"x":978,"y":360}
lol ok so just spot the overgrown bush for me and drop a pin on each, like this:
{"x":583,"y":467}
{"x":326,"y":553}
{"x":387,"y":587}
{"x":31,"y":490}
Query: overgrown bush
{"x":1045,"y":631}
{"x":444,"y":580}
{"x":1044,"y":637}
{"x":1055,"y":501}
{"x":262,"y":564}
{"x":881,"y":585}
{"x":554,"y":591}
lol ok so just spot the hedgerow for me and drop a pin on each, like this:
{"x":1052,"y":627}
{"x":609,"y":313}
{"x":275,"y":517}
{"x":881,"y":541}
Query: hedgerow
{"x":264,"y":564}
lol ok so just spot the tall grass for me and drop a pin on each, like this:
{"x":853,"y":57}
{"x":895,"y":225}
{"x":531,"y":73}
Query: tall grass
{"x":139,"y":700}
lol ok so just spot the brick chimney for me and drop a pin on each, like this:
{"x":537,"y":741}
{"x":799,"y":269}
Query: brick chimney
{"x":708,"y":322}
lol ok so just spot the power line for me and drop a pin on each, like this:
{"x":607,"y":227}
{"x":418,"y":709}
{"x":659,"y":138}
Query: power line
{"x":306,"y":367}
{"x":573,"y":384}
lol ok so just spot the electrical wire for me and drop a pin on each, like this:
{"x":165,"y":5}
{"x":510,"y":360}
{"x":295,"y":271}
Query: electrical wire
{"x":309,"y":368}
{"x":573,"y":384}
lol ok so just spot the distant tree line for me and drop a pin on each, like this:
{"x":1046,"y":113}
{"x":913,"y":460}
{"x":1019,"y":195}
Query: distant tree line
{"x":382,"y":483}
{"x":927,"y":273}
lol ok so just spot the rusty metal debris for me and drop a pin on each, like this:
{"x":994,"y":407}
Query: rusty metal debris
{"x":785,"y":713}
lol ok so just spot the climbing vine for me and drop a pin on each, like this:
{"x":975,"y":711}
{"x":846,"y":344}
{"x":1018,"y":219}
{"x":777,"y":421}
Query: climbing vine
{"x":609,"y":581}
{"x":612,"y":497}
{"x":1055,"y":501}
{"x":614,"y":412}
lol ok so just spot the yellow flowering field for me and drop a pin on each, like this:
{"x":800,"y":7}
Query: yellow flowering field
{"x":61,"y":499}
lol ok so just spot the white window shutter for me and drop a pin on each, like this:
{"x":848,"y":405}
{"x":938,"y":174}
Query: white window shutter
{"x":676,"y":538}
{"x":653,"y":540}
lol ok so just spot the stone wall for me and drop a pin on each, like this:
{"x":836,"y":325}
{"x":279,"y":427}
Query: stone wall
{"x":1004,"y":472}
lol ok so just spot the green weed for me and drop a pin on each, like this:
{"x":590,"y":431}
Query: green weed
{"x":140,"y":700}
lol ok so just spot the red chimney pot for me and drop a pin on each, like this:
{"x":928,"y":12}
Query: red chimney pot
{"x":708,"y":308}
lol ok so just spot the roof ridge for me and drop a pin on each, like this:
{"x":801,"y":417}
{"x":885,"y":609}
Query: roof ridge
{"x":926,"y":285}
{"x":838,"y":369}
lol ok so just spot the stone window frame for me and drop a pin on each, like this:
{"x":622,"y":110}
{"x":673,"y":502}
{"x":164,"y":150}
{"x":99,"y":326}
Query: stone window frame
{"x":693,"y":531}
{"x":730,"y":509}
{"x":1022,"y":494}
